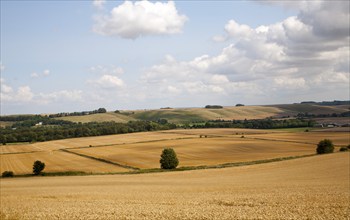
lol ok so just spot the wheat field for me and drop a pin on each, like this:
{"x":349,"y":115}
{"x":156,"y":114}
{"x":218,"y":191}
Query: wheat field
{"x":198,"y":151}
{"x":55,"y":161}
{"x":307,"y":188}
{"x":195,"y":147}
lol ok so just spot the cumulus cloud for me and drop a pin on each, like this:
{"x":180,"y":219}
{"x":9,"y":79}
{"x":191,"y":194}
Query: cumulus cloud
{"x":135,"y":19}
{"x":298,"y":55}
{"x":109,"y":81}
{"x":22,"y":94}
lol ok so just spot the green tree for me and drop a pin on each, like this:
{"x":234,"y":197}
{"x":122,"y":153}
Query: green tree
{"x":38,"y":166}
{"x":325,"y":146}
{"x":7,"y":174}
{"x":168,"y":159}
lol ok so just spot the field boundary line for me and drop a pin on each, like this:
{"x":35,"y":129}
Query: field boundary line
{"x":24,"y":152}
{"x":101,"y":160}
{"x":279,"y":140}
{"x":138,"y":142}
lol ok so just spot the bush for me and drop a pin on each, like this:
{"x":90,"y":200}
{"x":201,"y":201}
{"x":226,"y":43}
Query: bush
{"x":7,"y":174}
{"x":38,"y":166}
{"x":348,"y":146}
{"x":325,"y":146}
{"x":343,"y":149}
{"x":168,"y":159}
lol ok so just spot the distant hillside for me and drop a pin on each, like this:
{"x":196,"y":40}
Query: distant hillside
{"x":190,"y":115}
{"x":102,"y":117}
{"x":293,"y":109}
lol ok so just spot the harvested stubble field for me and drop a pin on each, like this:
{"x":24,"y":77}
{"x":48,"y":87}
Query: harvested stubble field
{"x":197,"y":151}
{"x":55,"y":161}
{"x":142,"y":150}
{"x":308,"y":188}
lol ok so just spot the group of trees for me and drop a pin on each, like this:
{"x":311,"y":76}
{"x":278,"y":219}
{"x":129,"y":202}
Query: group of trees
{"x":63,"y":114}
{"x":73,"y":130}
{"x":254,"y":123}
{"x":38,"y":167}
{"x":213,"y":106}
{"x":310,"y":115}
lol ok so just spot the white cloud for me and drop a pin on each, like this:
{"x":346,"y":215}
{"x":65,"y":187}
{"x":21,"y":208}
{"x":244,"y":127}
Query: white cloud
{"x":108,"y":82}
{"x":135,"y":19}
{"x":46,"y":72}
{"x":238,"y":30}
{"x":272,"y":60}
{"x":60,"y":96}
{"x":39,"y":75}
{"x":99,"y":4}
{"x":109,"y":70}
{"x":290,"y":83}
{"x":22,"y":94}
{"x":219,"y":79}
{"x":34,"y":75}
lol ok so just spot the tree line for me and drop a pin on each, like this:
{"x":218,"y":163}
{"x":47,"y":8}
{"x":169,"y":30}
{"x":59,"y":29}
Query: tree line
{"x":74,"y":130}
{"x":39,"y":118}
{"x":254,"y":123}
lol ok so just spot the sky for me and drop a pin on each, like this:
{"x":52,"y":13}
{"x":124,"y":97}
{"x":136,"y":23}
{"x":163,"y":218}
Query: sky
{"x":66,"y":56}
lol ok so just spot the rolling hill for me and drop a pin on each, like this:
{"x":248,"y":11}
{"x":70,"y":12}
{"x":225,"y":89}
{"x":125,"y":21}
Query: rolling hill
{"x":190,"y":115}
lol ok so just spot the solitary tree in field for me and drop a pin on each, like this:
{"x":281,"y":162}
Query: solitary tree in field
{"x":325,"y":146}
{"x":168,"y":159}
{"x":38,"y":166}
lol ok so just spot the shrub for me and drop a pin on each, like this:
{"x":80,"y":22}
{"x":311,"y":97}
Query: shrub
{"x":348,"y":146}
{"x":343,"y":149}
{"x":168,"y":159}
{"x":38,"y":166}
{"x":325,"y":146}
{"x":7,"y":174}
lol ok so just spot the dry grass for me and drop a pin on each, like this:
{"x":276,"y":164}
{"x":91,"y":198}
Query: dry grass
{"x":55,"y":161}
{"x":308,"y":188}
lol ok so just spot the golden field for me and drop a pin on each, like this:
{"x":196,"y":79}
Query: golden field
{"x":307,"y":188}
{"x":198,"y":151}
{"x":194,"y":147}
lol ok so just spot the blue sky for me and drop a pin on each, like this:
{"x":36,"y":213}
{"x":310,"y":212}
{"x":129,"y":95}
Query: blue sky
{"x":62,"y":56}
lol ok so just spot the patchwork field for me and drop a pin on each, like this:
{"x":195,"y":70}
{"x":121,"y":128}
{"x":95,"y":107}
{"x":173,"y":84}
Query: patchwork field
{"x":308,"y":188}
{"x":197,"y":151}
{"x":194,"y":147}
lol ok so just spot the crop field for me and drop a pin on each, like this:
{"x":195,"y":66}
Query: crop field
{"x":338,"y":138}
{"x":194,"y":147}
{"x":197,"y":151}
{"x":307,"y":188}
{"x":55,"y":161}
{"x":94,"y":141}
